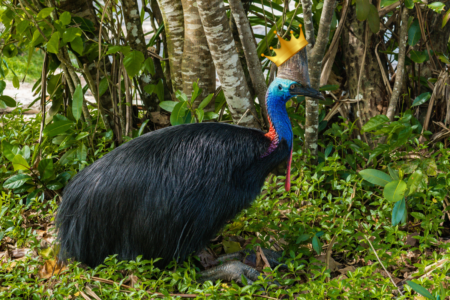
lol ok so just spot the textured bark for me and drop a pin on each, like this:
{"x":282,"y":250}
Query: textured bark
{"x":316,"y":52}
{"x":251,"y":54}
{"x":226,"y":60}
{"x":197,"y":63}
{"x":400,"y":65}
{"x":136,"y":39}
{"x":372,"y":90}
{"x":172,"y":12}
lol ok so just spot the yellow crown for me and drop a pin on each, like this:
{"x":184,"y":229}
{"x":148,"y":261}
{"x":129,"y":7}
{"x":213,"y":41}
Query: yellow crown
{"x":287,"y":48}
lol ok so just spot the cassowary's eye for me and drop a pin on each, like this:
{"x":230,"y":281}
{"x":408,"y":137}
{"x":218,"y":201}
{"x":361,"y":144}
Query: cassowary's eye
{"x":280,"y":87}
{"x":292,"y":87}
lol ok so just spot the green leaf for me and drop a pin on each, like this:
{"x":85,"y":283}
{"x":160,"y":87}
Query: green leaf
{"x":329,"y":87}
{"x":395,"y":190}
{"x":168,"y":105}
{"x":196,"y":90}
{"x":71,"y":33}
{"x":178,"y":113}
{"x":181,"y":96}
{"x":149,"y":66}
{"x":210,"y":115}
{"x":409,"y":4}
{"x":414,"y":33}
{"x":77,"y":102}
{"x":141,"y":129}
{"x":414,"y":181}
{"x":77,"y":45}
{"x":375,"y":177}
{"x":206,"y":101}
{"x":200,"y":114}
{"x":45,"y":168}
{"x":2,"y":86}
{"x":149,"y":88}
{"x":2,"y":104}
{"x":445,"y":18}
{"x":7,"y":150}
{"x":421,"y":99}
{"x":418,"y":56}
{"x":82,"y":152}
{"x":393,"y":173}
{"x":133,"y":62}
{"x":429,"y":166}
{"x":57,"y":127}
{"x":362,"y":9}
{"x":22,"y":26}
{"x":44,"y":13}
{"x":16,"y":82}
{"x":8,"y":101}
{"x":10,"y":50}
{"x":437,"y":6}
{"x":103,"y":86}
{"x":374,"y":123}
{"x":373,"y":19}
{"x":53,"y":43}
{"x":19,"y":163}
{"x":16,"y":181}
{"x":65,"y":18}
{"x":68,"y":156}
{"x":398,"y":212}
{"x":420,"y":289}
{"x":37,"y":38}
{"x":159,"y":90}
{"x":316,"y":244}
{"x":53,"y":82}
{"x":114,"y":49}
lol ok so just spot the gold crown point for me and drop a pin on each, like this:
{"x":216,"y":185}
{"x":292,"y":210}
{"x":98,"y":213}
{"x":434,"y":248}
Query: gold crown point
{"x":274,"y":31}
{"x":262,"y":54}
{"x":292,"y":31}
{"x":300,"y":25}
{"x":271,"y":48}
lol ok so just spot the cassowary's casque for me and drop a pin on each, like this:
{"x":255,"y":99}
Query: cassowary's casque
{"x":168,"y":192}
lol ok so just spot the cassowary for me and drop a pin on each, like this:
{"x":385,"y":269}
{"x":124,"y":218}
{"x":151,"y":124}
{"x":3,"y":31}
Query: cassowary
{"x":167,"y":193}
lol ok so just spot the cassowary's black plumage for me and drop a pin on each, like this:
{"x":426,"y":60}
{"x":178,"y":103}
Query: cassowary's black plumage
{"x":164,"y":194}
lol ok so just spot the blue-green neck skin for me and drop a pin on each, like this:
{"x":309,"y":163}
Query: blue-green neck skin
{"x":277,"y":96}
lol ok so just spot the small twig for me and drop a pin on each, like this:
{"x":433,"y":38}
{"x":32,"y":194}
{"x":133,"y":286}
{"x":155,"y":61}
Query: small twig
{"x":246,"y":112}
{"x":43,"y":94}
{"x":389,"y":274}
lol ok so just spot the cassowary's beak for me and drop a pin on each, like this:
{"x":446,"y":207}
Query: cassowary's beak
{"x":306,"y":91}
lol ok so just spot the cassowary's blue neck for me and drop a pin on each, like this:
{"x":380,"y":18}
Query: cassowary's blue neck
{"x":280,"y":126}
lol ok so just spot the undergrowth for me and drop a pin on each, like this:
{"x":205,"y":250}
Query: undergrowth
{"x":335,"y":228}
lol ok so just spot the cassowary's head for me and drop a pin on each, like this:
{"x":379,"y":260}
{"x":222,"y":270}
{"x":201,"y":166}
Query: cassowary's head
{"x":285,"y":89}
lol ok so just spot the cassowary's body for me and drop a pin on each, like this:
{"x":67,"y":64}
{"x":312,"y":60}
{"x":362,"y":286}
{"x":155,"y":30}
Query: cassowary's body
{"x":166,"y":193}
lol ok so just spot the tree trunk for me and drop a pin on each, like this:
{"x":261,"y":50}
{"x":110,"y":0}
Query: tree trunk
{"x":359,"y":61}
{"x":197,"y":63}
{"x":172,"y":12}
{"x":226,"y":60}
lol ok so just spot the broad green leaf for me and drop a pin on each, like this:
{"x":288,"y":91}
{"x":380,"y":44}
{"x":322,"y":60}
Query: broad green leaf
{"x":44,"y":13}
{"x":159,"y":90}
{"x":82,"y":152}
{"x":149,"y":88}
{"x":77,"y":45}
{"x":8,"y":101}
{"x":200,"y":115}
{"x":395,"y":190}
{"x":53,"y":82}
{"x":375,"y":177}
{"x":444,"y":58}
{"x":168,"y":105}
{"x":414,"y":33}
{"x":414,"y":181}
{"x":2,"y":86}
{"x":7,"y":150}
{"x":374,"y":123}
{"x":114,"y":49}
{"x":71,"y":33}
{"x":421,"y":290}
{"x":445,"y":18}
{"x":103,"y":86}
{"x":22,"y":26}
{"x":393,"y":173}
{"x":362,"y":9}
{"x":210,"y":115}
{"x":133,"y":62}
{"x":409,"y":4}
{"x":149,"y":66}
{"x":68,"y":157}
{"x":19,"y":163}
{"x":421,"y":99}
{"x":316,"y":244}
{"x":398,"y":212}
{"x":181,"y":96}
{"x":77,"y":102}
{"x":206,"y":101}
{"x":329,"y":87}
{"x":437,"y":6}
{"x":196,"y":90}
{"x":418,"y":56}
{"x":141,"y":129}
{"x":373,"y":19}
{"x":57,"y":127}
{"x":53,"y":43}
{"x":65,"y":18}
{"x":429,"y":166}
{"x":81,"y":136}
{"x":178,"y":114}
{"x":37,"y":38}
{"x":16,"y":82}
{"x":45,"y":168}
{"x":2,"y":104}
{"x":16,"y":181}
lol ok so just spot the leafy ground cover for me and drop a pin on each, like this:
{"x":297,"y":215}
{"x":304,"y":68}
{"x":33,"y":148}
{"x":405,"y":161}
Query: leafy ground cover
{"x":367,"y":222}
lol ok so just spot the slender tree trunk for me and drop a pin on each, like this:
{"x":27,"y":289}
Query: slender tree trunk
{"x":226,"y":60}
{"x":172,"y":12}
{"x":316,"y":51}
{"x":197,"y":63}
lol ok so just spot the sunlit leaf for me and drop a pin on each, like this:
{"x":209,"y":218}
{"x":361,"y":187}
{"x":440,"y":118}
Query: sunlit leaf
{"x":133,"y":62}
{"x":168,"y":105}
{"x":16,"y":181}
{"x":20,"y":163}
{"x":421,"y":290}
{"x":374,"y":123}
{"x":44,"y":13}
{"x":375,"y":177}
{"x":8,"y":101}
{"x":77,"y":45}
{"x":45,"y":168}
{"x":395,"y":190}
{"x":437,"y":6}
{"x":362,"y":9}
{"x":77,"y":102}
{"x":65,"y":18}
{"x":53,"y":43}
{"x":57,"y":128}
{"x":398,"y":212}
{"x":421,"y":99}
